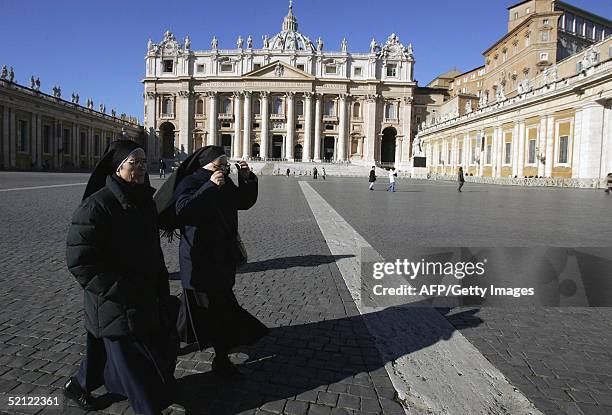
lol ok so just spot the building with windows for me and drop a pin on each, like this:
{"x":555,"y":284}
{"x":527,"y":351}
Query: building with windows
{"x":289,"y":99}
{"x":41,"y":131}
{"x":553,"y":119}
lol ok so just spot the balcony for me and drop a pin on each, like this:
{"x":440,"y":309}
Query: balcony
{"x":226,"y":117}
{"x":277,"y":117}
{"x":330,"y":118}
{"x":166,"y":116}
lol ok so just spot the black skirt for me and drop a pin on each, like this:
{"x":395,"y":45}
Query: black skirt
{"x":216,"y":319}
{"x":141,"y":370}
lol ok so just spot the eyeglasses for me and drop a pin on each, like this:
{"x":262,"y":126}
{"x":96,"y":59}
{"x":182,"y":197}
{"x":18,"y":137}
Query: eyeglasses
{"x":137,"y":162}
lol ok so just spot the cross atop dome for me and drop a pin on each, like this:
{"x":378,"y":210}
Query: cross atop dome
{"x":290,"y":21}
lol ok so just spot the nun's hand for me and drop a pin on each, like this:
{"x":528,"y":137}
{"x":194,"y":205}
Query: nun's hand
{"x":244,"y":169}
{"x":217,"y":178}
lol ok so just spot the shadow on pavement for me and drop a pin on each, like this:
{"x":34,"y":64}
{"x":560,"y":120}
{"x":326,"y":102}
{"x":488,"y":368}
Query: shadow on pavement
{"x":290,"y":262}
{"x":294,"y":360}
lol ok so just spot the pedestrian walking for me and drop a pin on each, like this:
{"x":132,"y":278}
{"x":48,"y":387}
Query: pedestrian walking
{"x":609,"y":177}
{"x":372,"y":178}
{"x":202,"y":202}
{"x":289,"y":171}
{"x":162,"y":169}
{"x":314,"y":173}
{"x":392,"y":176}
{"x":460,"y":179}
{"x":323,"y":173}
{"x":113,"y":251}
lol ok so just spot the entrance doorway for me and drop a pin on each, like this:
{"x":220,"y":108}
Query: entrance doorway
{"x":255,"y":150}
{"x":328,"y":148}
{"x":387,"y":147}
{"x":297,"y":151}
{"x":226,"y":143}
{"x":277,"y":146}
{"x":167,"y":140}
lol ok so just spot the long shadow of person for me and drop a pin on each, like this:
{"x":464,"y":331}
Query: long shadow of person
{"x":289,"y":262}
{"x":300,"y":359}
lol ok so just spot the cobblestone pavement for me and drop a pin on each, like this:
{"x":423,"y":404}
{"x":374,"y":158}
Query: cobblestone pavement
{"x":319,"y":357}
{"x":560,"y":358}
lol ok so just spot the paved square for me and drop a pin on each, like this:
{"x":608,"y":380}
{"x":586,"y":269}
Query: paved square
{"x":320,"y":357}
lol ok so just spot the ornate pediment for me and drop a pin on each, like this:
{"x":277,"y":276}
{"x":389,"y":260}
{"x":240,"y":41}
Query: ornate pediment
{"x":278,"y":70}
{"x":394,"y":49}
{"x":167,"y":47}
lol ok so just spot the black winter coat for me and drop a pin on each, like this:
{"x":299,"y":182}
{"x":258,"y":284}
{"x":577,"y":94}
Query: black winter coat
{"x":114,"y":253}
{"x":208,"y":216}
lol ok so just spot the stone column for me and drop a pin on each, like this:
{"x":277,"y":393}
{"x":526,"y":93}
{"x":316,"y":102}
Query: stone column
{"x":398,"y":151}
{"x":13,"y":138}
{"x":576,"y":145}
{"x":341,"y":156}
{"x":289,"y":140}
{"x":6,"y":148}
{"x":515,"y":148}
{"x":481,"y":153}
{"x":521,"y":149}
{"x":184,"y":107}
{"x":284,"y":147}
{"x":237,"y":121}
{"x":212,"y":118}
{"x":39,"y":150}
{"x":265,"y":120}
{"x":307,"y":152}
{"x":499,"y":150}
{"x":541,"y":145}
{"x":591,"y":141}
{"x":317,"y":134}
{"x":370,"y":127}
{"x":550,"y":150}
{"x":77,"y":145}
{"x":150,"y":120}
{"x":607,"y":147}
{"x":246,"y":139}
{"x":406,"y":119}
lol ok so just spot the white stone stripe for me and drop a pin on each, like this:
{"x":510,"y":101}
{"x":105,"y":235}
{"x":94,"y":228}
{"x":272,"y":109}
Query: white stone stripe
{"x":42,"y":187}
{"x":443,"y":373}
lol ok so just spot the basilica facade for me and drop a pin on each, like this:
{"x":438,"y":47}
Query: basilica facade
{"x":288,"y":99}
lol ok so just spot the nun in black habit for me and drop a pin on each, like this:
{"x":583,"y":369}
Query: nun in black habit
{"x":113,"y":250}
{"x":202,"y":202}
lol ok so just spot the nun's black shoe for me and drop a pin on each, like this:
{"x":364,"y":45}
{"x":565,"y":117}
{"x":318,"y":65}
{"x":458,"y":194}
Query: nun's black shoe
{"x":74,"y":392}
{"x":226,"y":370}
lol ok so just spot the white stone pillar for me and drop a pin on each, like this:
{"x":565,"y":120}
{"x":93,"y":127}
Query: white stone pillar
{"x":576,"y":147}
{"x":499,"y":150}
{"x":237,"y":121}
{"x":466,"y":152}
{"x":550,"y":150}
{"x":607,"y":147}
{"x":39,"y":152}
{"x":13,"y":139}
{"x":406,"y":120}
{"x":307,"y":151}
{"x":317,"y":135}
{"x":370,"y":146}
{"x":212,"y":118}
{"x":246,"y":128}
{"x":6,"y":148}
{"x":515,"y":148}
{"x":284,"y":147}
{"x":591,"y":141}
{"x":542,"y":145}
{"x":521,"y":149}
{"x":398,"y":151}
{"x":185,"y":144}
{"x":153,"y":150}
{"x":342,"y":127}
{"x":289,"y":140}
{"x":265,"y":119}
{"x":77,"y":145}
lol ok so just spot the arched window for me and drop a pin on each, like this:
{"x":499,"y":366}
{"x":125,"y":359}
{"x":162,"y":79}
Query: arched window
{"x":356,"y":109}
{"x":257,"y":106}
{"x":227,"y":106}
{"x":200,"y":107}
{"x":390,"y":111}
{"x":167,"y":106}
{"x":278,"y":106}
{"x":330,"y":107}
{"x":299,"y":108}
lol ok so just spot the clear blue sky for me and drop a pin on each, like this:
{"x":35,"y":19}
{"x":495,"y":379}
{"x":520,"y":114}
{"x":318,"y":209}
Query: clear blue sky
{"x":97,"y":48}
